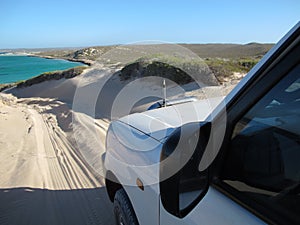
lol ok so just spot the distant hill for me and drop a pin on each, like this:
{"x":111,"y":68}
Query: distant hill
{"x":202,"y":50}
{"x":229,"y":50}
{"x":42,"y":51}
{"x":226,"y":61}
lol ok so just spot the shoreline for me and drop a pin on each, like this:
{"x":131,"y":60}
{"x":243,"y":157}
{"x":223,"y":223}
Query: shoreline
{"x":5,"y":86}
{"x":84,"y":61}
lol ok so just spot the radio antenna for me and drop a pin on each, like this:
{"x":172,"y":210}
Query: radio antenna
{"x":164,"y":103}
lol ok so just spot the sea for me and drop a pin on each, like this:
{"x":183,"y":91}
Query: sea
{"x":21,"y":67}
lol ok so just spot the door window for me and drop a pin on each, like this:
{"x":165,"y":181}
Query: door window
{"x":263,"y":160}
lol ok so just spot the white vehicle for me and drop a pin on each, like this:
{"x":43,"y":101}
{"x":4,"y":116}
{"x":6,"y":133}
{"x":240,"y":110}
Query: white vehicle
{"x":244,"y":168}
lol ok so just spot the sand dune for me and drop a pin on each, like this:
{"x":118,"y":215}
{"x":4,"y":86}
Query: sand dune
{"x":52,"y":136}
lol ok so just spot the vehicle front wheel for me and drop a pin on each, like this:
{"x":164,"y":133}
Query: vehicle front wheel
{"x":123,"y":210}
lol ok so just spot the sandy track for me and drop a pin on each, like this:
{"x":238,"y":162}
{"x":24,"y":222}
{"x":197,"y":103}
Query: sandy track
{"x":44,"y":179}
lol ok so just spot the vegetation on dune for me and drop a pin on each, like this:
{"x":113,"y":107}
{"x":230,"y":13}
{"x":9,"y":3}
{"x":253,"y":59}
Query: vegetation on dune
{"x":179,"y":70}
{"x":55,"y":75}
{"x":91,"y":53}
{"x":159,"y":69}
{"x":6,"y":86}
{"x":224,"y":67}
{"x":222,"y":60}
{"x":210,"y":71}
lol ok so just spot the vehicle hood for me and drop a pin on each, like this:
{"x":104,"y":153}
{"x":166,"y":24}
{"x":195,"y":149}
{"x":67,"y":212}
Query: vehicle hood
{"x":160,"y":123}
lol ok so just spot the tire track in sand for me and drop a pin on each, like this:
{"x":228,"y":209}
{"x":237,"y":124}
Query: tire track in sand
{"x":67,"y":191}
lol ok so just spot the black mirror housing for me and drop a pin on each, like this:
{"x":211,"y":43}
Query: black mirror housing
{"x":179,"y":174}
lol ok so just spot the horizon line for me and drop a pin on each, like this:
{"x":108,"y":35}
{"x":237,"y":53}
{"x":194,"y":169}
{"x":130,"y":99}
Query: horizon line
{"x":111,"y":45}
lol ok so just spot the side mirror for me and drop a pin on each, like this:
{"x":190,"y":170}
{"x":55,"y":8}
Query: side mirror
{"x":182,"y":185}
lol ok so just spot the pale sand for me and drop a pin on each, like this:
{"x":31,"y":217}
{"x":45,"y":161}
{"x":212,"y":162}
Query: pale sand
{"x":43,"y":178}
{"x":51,"y":168}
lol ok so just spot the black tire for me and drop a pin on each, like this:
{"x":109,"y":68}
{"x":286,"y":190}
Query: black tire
{"x":123,"y":210}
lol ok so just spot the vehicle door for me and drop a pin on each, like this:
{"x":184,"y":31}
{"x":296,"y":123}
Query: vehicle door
{"x":255,"y":177}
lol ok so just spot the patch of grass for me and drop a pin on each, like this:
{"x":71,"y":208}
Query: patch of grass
{"x":226,"y":67}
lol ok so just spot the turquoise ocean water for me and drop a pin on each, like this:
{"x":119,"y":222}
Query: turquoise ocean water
{"x":15,"y":68}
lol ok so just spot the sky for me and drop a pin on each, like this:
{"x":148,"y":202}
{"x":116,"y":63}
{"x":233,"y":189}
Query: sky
{"x":65,"y":23}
